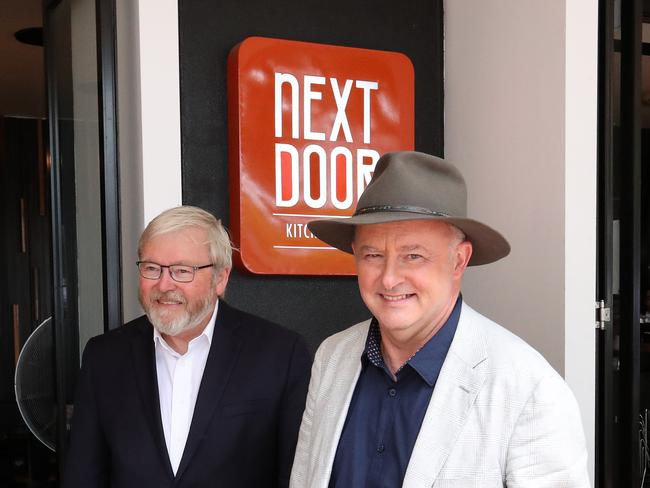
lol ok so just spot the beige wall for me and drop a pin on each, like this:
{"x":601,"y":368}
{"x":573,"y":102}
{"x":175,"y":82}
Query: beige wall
{"x":520,"y":122}
{"x":504,"y":128}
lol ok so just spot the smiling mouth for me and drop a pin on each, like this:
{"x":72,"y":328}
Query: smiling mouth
{"x":396,"y":298}
{"x":169,"y":299}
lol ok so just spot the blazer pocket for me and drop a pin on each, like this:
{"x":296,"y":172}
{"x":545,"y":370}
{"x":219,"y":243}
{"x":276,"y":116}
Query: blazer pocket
{"x":245,"y":408}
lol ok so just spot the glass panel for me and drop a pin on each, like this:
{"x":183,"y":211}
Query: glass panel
{"x":630,"y":342}
{"x":615,"y":392}
{"x":644,"y":299}
{"x":71,"y":53}
{"x":73,"y":22}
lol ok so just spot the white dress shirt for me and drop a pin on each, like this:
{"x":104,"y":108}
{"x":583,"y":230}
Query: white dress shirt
{"x":179,"y":379}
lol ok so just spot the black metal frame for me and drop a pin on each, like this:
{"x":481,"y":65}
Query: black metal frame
{"x":617,"y":449}
{"x":605,"y":435}
{"x":112,"y":264}
{"x":630,"y":236}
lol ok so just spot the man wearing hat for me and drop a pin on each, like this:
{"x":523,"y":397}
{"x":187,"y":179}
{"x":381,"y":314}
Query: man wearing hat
{"x":428,"y":392}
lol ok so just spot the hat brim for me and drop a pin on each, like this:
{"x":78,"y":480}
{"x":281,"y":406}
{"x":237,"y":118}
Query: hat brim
{"x":488,"y":245}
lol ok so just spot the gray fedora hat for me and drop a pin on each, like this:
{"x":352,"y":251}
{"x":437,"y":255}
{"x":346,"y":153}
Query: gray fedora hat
{"x":412,"y":185}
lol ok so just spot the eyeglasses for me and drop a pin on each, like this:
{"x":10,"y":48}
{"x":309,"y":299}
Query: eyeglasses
{"x":178,"y":272}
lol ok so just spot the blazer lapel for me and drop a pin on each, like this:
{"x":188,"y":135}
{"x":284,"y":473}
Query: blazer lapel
{"x":144,"y":360}
{"x":335,"y":404}
{"x":461,"y":378}
{"x":225,"y":348}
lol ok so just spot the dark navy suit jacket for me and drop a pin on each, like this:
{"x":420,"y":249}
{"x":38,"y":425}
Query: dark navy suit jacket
{"x":246,"y":418}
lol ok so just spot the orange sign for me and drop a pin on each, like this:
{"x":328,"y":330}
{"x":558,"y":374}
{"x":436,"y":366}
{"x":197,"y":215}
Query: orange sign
{"x":307,"y":124}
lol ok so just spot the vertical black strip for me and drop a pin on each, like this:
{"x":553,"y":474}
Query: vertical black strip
{"x":630,"y":237}
{"x":58,"y":271}
{"x":112,"y":262}
{"x":438,"y":72}
{"x":605,"y":469}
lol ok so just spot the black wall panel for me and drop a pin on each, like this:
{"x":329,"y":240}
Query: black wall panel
{"x":208,"y":29}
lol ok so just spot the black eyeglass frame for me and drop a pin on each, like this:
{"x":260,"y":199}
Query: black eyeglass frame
{"x":171,"y":274}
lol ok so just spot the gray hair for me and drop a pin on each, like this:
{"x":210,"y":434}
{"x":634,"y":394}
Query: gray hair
{"x":185,"y":217}
{"x":457,"y":235}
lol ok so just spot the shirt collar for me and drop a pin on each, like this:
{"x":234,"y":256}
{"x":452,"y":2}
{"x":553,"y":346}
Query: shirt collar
{"x":207,"y":332}
{"x":427,"y":361}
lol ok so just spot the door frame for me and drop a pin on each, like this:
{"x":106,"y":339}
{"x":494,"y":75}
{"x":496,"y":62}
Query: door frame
{"x":618,"y":376}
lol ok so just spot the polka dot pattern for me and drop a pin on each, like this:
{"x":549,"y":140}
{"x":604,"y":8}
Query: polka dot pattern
{"x":373,"y":345}
{"x":373,"y":348}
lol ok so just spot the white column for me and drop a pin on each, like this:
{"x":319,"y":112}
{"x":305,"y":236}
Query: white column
{"x":160,"y":99}
{"x":581,"y":208}
{"x":149,"y":124}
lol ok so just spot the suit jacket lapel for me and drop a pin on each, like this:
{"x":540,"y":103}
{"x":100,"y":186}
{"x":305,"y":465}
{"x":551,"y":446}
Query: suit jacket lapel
{"x":144,"y":361}
{"x":225,"y":348}
{"x":336,"y":403}
{"x":460,"y":380}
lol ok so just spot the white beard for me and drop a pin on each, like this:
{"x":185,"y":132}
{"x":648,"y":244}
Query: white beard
{"x":172,"y":324}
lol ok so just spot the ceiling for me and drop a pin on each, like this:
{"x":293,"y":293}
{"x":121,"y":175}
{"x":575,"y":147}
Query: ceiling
{"x":22,"y":82}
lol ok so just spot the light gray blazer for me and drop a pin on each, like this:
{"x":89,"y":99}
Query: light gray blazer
{"x":499,"y":415}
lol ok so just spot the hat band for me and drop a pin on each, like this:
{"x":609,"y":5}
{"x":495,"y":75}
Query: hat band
{"x":400,"y":208}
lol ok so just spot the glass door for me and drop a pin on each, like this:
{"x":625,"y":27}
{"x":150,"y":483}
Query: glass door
{"x":623,"y":273}
{"x":79,"y":43}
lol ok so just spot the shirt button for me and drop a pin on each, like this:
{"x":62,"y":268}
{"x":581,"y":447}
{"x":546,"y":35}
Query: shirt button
{"x":380,"y":448}
{"x":392,"y":392}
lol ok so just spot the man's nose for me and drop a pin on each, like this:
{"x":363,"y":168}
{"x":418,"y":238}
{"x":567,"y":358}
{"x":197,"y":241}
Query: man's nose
{"x":391,"y":275}
{"x":165,"y":282}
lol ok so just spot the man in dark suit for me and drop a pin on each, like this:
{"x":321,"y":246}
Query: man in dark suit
{"x":195,"y":393}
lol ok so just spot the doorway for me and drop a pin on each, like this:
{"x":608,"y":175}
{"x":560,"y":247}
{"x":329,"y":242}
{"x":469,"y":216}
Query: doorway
{"x":79,"y":40}
{"x":623,"y":411}
{"x":25,"y":250}
{"x":59,"y":220}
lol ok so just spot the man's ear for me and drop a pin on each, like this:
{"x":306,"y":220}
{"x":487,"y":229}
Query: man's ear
{"x":462,"y":255}
{"x":221,"y":280}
